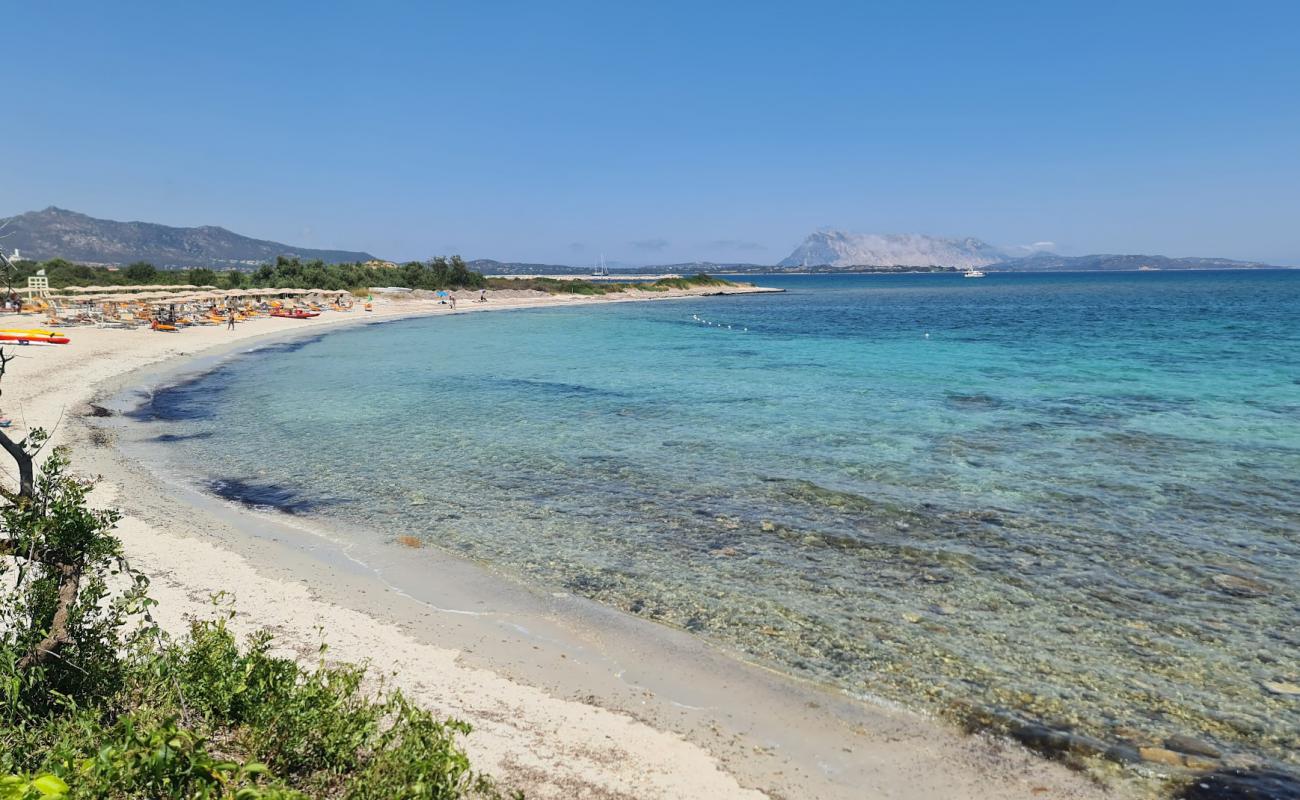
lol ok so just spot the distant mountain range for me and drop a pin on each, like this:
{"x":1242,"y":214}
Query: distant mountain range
{"x":1050,"y":262}
{"x":839,"y":251}
{"x":488,"y":266}
{"x":59,"y":233}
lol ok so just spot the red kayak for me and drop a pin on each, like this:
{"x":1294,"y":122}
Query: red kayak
{"x":20,"y":339}
{"x":297,"y":313}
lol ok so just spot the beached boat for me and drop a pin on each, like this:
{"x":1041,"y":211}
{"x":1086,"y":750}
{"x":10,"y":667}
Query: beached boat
{"x":27,"y":332}
{"x":294,"y":313}
{"x":46,"y":337}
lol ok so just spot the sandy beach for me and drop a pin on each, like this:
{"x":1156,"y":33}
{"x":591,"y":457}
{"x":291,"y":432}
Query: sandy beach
{"x":567,"y":699}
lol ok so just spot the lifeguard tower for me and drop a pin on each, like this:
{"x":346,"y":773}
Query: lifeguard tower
{"x":38,"y":285}
{"x":38,"y":294}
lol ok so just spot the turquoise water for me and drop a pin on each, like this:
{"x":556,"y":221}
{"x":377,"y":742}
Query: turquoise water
{"x":1067,"y":499}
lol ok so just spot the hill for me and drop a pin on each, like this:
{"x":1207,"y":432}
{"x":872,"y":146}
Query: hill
{"x":1050,"y":262}
{"x":488,"y":266}
{"x":59,"y":233}
{"x":842,"y":250}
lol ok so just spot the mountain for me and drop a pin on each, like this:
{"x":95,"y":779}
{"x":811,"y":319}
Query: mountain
{"x":1050,"y":262}
{"x":58,"y":233}
{"x":489,"y":266}
{"x":843,"y":250}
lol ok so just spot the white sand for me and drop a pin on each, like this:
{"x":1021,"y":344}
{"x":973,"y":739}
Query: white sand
{"x":758,"y":734}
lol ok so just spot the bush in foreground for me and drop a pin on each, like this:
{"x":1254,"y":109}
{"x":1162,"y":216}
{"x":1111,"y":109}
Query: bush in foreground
{"x":120,"y":710}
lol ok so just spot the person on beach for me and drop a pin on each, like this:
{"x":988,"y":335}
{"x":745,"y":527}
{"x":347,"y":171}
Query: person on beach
{"x":482,"y":295}
{"x":452,"y":298}
{"x":230,"y":319}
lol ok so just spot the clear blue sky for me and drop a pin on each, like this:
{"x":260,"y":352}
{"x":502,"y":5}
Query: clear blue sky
{"x":661,"y":131}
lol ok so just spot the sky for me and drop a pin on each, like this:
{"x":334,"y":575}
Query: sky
{"x":664,"y":131}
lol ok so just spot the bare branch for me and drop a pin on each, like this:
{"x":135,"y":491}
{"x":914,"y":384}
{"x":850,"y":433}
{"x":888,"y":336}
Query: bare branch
{"x":26,"y":467}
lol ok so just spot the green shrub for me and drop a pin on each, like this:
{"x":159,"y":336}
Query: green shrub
{"x":141,"y":714}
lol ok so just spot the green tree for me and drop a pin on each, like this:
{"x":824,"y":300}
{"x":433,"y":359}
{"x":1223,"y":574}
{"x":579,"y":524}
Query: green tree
{"x":232,"y":279}
{"x":202,"y":276}
{"x":140,"y":272}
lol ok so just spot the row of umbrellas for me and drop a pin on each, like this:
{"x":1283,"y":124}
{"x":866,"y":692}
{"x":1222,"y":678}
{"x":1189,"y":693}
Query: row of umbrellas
{"x":164,"y":286}
{"x":178,"y":297}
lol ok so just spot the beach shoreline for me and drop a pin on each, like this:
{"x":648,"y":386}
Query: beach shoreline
{"x":663,"y":714}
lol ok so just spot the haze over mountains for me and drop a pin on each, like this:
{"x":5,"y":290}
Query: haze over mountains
{"x":839,"y":251}
{"x":832,"y":248}
{"x":59,"y":233}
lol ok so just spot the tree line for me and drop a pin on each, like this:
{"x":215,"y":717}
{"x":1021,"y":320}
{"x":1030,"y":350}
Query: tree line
{"x":293,"y":273}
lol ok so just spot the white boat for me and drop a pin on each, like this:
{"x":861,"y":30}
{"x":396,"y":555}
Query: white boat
{"x":600,"y":271}
{"x":973,"y":273}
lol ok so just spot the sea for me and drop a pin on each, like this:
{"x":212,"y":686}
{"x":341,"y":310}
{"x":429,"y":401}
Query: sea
{"x":1059,"y":500}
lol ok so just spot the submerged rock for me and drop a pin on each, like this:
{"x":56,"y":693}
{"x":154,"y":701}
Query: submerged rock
{"x":1042,"y":739}
{"x":1201,"y":764}
{"x":1123,"y":754}
{"x":1240,"y":784}
{"x":1159,"y":755}
{"x":1282,"y":687}
{"x":1193,"y":746}
{"x":1057,"y":743}
{"x":1238,"y":586}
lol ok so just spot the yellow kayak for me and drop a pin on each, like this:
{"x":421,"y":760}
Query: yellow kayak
{"x":28,"y":332}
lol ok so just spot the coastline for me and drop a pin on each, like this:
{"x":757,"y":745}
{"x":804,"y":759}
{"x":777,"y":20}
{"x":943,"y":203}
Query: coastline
{"x":536,"y":674}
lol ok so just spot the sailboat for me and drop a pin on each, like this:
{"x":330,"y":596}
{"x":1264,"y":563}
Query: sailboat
{"x":600,"y":270}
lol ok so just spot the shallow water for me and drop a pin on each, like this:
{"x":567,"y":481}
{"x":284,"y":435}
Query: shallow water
{"x":1070,"y":499}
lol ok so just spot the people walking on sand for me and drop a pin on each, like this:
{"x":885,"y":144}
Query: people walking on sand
{"x":452,"y":298}
{"x":230,"y":319}
{"x":482,"y":295}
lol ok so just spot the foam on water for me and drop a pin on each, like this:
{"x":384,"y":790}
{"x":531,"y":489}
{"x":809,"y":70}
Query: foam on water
{"x":1072,"y":499}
